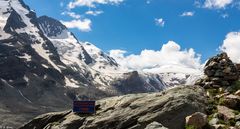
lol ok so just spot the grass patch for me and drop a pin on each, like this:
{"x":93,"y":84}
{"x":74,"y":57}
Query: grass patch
{"x":190,"y":127}
{"x":236,"y":112}
{"x":222,"y":122}
{"x":221,"y":101}
{"x":210,"y":117}
{"x":232,"y":122}
{"x":235,"y":87}
{"x":213,"y":91}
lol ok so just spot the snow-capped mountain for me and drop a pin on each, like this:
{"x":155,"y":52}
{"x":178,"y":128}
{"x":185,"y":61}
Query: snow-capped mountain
{"x":23,"y":44}
{"x":174,"y":75}
{"x":70,"y":50}
{"x":31,"y":76}
{"x":103,"y":62}
{"x":85,"y":57}
{"x":42,"y":50}
{"x":73,"y":53}
{"x":43,"y":66}
{"x":69,"y":47}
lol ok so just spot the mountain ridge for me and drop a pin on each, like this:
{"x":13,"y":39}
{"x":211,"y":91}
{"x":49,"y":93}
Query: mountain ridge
{"x":43,"y":72}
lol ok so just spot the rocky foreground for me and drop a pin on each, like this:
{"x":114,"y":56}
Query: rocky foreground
{"x":166,"y":109}
{"x":222,"y":85}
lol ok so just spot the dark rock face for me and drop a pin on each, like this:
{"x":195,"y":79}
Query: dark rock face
{"x":110,"y":60}
{"x":14,"y":22}
{"x":134,"y":111}
{"x":13,"y":66}
{"x":220,"y":71}
{"x":50,"y":26}
{"x":87,"y":58}
{"x":133,"y":82}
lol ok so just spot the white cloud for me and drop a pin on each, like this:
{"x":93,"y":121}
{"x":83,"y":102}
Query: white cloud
{"x":72,"y":14}
{"x":150,"y":60}
{"x":231,"y":45}
{"x":160,"y":22}
{"x":92,"y":3}
{"x":83,"y":25}
{"x":187,"y":14}
{"x":217,"y":4}
{"x":94,"y":13}
{"x":197,"y":4}
{"x":79,"y":22}
{"x":118,"y":54}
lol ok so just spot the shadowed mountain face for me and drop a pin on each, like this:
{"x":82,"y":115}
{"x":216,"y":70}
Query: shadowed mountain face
{"x":50,"y":26}
{"x":43,"y":67}
{"x":32,"y":76}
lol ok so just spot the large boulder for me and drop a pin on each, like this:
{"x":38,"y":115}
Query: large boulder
{"x":198,"y":120}
{"x":155,"y":125}
{"x":231,"y":101}
{"x":237,"y":93}
{"x":219,"y":71}
{"x":134,"y":111}
{"x":226,"y":112}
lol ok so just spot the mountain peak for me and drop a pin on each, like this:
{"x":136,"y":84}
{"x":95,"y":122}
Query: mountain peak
{"x":50,"y":26}
{"x":14,"y":22}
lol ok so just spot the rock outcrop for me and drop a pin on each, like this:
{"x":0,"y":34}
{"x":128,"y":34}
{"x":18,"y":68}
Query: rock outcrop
{"x":155,"y":125}
{"x":134,"y":111}
{"x":222,"y":86}
{"x":198,"y":120}
{"x":219,"y":71}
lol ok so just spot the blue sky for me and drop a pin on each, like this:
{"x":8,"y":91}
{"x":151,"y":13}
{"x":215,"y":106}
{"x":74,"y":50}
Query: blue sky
{"x":135,"y":25}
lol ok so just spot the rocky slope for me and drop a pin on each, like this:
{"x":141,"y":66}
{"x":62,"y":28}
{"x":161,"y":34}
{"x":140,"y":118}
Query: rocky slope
{"x":135,"y":111}
{"x":221,"y":83}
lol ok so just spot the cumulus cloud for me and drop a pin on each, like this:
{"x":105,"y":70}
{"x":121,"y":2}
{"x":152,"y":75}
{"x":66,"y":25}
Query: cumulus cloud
{"x":83,"y":25}
{"x":152,"y":61}
{"x":217,"y":4}
{"x":92,"y":3}
{"x":94,"y":13}
{"x":72,"y":14}
{"x":159,"y":22}
{"x":231,"y":45}
{"x":198,"y":4}
{"x":117,"y":54}
{"x":187,"y":14}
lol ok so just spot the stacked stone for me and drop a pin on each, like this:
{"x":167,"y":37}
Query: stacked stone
{"x":219,"y":71}
{"x":238,"y":67}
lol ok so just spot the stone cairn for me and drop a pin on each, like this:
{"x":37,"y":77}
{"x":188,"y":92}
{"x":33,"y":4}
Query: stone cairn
{"x":219,"y":71}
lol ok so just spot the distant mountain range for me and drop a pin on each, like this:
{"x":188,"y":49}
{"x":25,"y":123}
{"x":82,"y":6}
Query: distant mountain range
{"x":43,"y":67}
